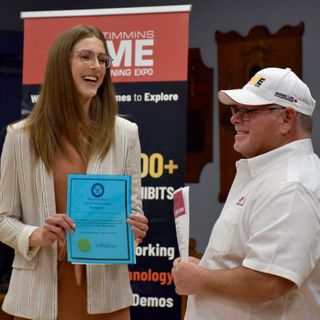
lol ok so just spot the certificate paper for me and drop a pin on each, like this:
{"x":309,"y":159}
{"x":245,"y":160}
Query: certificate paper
{"x":100,"y":206}
{"x":181,"y":218}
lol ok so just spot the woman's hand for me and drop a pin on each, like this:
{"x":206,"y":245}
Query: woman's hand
{"x":139,"y":225}
{"x":53,"y":229}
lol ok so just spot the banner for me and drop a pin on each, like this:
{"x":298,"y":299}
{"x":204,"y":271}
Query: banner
{"x":149,"y":47}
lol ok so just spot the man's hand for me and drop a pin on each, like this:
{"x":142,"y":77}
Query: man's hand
{"x":187,"y":276}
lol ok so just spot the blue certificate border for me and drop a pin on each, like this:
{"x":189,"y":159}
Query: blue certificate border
{"x":129,"y":253}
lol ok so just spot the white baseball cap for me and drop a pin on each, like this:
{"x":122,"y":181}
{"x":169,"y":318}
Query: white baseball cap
{"x":272,"y":86}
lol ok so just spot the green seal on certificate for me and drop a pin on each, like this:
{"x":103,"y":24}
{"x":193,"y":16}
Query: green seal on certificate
{"x":84,"y":245}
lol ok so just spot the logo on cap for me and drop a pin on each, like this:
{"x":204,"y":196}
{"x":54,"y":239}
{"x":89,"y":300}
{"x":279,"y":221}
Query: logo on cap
{"x":286,"y":97}
{"x":257,"y":80}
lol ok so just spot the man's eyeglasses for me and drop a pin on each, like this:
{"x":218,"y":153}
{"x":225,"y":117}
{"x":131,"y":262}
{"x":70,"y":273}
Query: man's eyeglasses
{"x":245,"y":114}
{"x":88,"y":57}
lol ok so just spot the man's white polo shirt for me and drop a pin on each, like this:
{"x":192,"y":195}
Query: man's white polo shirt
{"x":270,"y":223}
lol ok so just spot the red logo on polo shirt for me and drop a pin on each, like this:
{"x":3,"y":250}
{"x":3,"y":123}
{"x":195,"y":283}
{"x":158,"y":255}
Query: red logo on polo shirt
{"x":241,"y":201}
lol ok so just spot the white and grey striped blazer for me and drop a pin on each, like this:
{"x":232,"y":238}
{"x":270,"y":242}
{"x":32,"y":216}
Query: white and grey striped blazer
{"x":27,"y":197}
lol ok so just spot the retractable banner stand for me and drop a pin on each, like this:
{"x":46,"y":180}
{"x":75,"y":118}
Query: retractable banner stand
{"x":149,"y":47}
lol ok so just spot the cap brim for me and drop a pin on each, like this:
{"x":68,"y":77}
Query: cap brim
{"x":241,"y":96}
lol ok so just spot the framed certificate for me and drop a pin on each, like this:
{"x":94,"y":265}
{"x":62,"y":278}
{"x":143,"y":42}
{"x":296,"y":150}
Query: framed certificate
{"x":100,"y":206}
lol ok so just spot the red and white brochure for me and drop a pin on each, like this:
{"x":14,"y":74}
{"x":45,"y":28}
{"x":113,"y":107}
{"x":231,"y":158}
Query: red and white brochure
{"x":181,"y":217}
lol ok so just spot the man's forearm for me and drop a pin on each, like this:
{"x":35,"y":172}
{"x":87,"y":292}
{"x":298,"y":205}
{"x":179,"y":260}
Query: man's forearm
{"x":244,"y":284}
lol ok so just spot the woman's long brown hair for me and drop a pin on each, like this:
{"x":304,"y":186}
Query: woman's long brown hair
{"x":57,"y":116}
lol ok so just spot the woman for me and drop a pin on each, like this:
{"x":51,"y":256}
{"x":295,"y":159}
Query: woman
{"x":72,"y":129}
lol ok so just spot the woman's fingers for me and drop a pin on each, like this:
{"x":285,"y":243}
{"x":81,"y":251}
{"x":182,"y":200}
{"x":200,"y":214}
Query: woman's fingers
{"x":139,"y":225}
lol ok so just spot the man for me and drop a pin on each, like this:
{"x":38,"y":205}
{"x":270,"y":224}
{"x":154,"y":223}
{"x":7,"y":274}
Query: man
{"x":261,"y":261}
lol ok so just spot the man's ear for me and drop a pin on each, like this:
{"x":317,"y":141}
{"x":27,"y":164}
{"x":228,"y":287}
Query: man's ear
{"x":289,"y":119}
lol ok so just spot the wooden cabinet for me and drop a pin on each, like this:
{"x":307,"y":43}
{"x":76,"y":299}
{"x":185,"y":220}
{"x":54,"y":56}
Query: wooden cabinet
{"x":239,"y":58}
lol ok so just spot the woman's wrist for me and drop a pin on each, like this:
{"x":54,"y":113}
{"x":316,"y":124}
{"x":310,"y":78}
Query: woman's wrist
{"x":35,"y":239}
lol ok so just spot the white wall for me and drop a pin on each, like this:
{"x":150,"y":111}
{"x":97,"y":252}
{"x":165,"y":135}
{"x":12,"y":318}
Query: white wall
{"x":207,"y":17}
